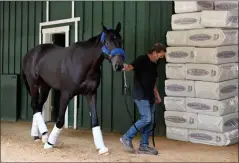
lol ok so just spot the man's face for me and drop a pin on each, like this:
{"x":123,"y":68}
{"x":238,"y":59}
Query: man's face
{"x":159,"y":55}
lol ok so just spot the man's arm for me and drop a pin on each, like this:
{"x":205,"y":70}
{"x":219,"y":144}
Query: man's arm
{"x":156,"y":90}
{"x":156,"y":93}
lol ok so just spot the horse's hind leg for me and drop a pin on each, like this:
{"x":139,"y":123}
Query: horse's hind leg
{"x":44,"y":91}
{"x":34,"y":129}
{"x":33,"y":88}
{"x":64,"y":100}
{"x":37,"y":103}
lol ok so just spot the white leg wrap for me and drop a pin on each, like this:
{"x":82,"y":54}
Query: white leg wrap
{"x":38,"y":132}
{"x":40,"y":122}
{"x":54,"y":135}
{"x":98,"y":140}
{"x":44,"y":138}
{"x":34,"y":130}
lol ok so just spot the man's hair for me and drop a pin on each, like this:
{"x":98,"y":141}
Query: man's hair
{"x":158,"y":47}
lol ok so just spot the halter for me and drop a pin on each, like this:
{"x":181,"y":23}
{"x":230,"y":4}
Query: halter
{"x":113,"y":52}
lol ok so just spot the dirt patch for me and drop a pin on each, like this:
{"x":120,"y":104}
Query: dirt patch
{"x":77,"y":146}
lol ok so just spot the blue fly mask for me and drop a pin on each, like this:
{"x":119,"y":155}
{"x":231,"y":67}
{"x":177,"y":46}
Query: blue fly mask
{"x":115,"y":51}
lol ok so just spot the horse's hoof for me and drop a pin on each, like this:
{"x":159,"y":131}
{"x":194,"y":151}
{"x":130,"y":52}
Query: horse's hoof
{"x":104,"y":151}
{"x":48,"y":146}
{"x":44,"y":138}
{"x":105,"y":154}
{"x":36,"y":138}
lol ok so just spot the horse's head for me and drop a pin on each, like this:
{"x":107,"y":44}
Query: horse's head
{"x":112,"y":46}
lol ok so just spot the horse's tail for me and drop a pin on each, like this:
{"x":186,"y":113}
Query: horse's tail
{"x":23,"y":76}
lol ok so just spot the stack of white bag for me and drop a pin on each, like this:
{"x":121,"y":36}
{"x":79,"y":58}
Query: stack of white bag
{"x":201,"y":90}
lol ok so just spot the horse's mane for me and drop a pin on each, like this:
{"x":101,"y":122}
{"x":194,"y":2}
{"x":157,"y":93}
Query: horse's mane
{"x":95,"y":40}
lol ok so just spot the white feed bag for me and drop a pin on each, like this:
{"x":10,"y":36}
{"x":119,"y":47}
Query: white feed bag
{"x":179,"y":54}
{"x":213,"y":138}
{"x":217,"y":55}
{"x":212,"y":107}
{"x":212,"y":73}
{"x":192,"y":6}
{"x":220,"y":19}
{"x":212,"y":37}
{"x":175,"y":103}
{"x":175,"y":133}
{"x":216,"y":91}
{"x":218,"y":124}
{"x":175,"y":71}
{"x":180,"y":119}
{"x":176,"y":38}
{"x":186,"y":21}
{"x":226,"y":5}
{"x":183,"y":88}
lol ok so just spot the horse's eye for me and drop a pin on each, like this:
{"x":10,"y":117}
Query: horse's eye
{"x":114,"y":37}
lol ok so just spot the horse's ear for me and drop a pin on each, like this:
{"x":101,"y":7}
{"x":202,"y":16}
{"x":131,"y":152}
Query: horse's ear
{"x":103,"y":27}
{"x":118,"y":27}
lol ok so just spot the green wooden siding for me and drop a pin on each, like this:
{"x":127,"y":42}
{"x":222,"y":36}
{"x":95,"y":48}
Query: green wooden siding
{"x":143,"y":24}
{"x":59,"y":10}
{"x":19,"y":32}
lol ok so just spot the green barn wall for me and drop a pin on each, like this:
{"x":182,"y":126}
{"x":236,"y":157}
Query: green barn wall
{"x":19,"y":28}
{"x":143,"y":24}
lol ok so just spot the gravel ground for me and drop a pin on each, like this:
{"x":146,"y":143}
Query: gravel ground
{"x":78,"y":146}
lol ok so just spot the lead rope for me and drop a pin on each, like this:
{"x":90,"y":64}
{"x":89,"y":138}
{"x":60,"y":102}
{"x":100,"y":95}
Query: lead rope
{"x":126,"y":104}
{"x":127,"y":108}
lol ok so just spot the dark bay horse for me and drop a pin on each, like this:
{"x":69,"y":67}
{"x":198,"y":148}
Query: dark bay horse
{"x":72,"y":70}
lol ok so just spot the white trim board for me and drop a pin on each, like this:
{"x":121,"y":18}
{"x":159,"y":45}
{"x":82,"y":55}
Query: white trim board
{"x":61,"y":21}
{"x":72,"y":9}
{"x":47,"y":11}
{"x":62,"y":29}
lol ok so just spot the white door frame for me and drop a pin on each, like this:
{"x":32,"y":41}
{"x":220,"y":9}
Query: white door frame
{"x":47,"y":38}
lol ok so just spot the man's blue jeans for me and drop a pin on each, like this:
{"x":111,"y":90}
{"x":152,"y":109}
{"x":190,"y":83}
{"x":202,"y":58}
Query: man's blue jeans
{"x":146,"y":111}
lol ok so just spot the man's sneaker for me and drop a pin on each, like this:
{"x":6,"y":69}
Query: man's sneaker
{"x":147,"y":150}
{"x":127,"y":144}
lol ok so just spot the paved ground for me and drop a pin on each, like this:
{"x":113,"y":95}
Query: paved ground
{"x":77,"y":146}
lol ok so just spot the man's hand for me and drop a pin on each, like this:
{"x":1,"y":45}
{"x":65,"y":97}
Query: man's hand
{"x":158,"y":99}
{"x":128,"y":67}
{"x":156,"y":94}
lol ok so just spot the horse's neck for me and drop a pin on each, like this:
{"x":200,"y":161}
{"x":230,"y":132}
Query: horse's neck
{"x":98,"y":62}
{"x":95,"y":45}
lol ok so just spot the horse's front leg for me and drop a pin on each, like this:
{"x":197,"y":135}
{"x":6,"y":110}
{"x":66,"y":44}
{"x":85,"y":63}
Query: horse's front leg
{"x":97,"y":134}
{"x":64,"y":100}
